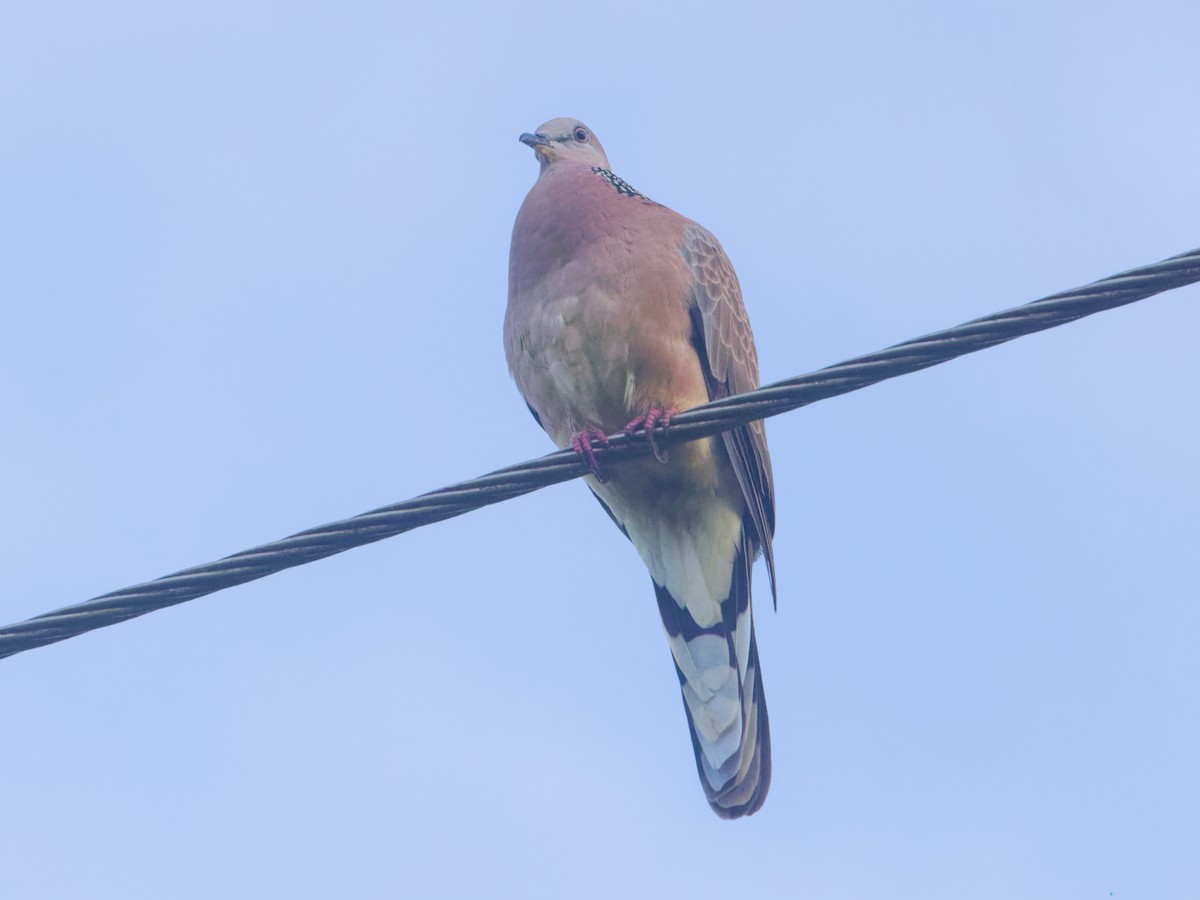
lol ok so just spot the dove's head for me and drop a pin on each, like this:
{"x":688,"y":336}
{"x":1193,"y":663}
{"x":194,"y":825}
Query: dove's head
{"x":565,"y":140}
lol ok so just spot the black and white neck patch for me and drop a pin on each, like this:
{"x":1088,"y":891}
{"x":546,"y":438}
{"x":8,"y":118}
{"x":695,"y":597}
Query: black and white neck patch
{"x":623,"y":187}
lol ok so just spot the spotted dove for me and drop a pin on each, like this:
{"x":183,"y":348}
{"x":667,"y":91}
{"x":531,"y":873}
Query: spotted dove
{"x":621,"y":312}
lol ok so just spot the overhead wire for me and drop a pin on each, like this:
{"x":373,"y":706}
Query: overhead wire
{"x":504,"y":484}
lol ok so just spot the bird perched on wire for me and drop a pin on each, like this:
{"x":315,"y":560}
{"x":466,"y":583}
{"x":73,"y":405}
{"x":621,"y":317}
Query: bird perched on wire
{"x":621,"y":313}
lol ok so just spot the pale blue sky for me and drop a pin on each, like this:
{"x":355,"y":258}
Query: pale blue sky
{"x":253,"y":277}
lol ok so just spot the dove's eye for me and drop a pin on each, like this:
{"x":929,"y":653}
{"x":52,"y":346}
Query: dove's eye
{"x":580,"y":135}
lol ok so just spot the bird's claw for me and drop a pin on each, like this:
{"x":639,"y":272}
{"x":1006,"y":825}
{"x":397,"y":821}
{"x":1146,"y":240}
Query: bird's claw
{"x":653,"y":418}
{"x":584,"y":444}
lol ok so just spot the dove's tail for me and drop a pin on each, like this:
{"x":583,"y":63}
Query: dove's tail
{"x":723,"y":695}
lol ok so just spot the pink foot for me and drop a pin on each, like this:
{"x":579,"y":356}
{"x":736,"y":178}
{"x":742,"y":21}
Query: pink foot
{"x":584,"y":444}
{"x":654,"y":417}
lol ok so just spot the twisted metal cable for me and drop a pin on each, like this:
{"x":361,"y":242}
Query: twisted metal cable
{"x":504,"y":484}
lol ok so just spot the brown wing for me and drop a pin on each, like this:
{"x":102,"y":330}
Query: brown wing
{"x":721,"y":332}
